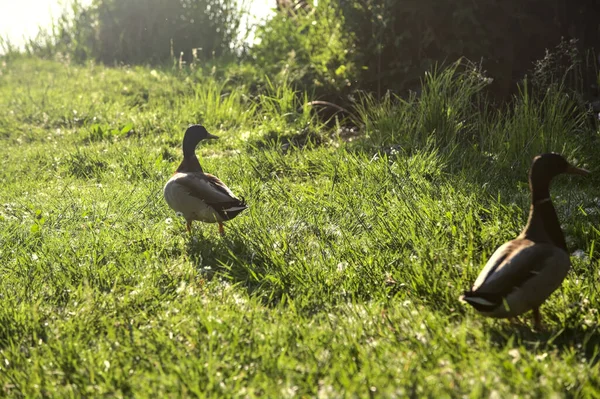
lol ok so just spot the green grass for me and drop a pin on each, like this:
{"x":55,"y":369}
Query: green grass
{"x":341,"y":280}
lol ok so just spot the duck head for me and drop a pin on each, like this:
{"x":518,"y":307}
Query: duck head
{"x":193,"y":135}
{"x":544,"y":168}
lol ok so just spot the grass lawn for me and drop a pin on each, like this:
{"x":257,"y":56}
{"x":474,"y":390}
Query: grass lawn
{"x":341,"y":280}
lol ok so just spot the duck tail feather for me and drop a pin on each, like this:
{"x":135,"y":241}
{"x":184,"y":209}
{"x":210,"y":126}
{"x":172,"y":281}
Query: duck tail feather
{"x":482,"y":301}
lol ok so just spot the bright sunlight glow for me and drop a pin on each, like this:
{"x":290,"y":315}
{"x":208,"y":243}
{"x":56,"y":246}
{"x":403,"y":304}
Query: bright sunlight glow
{"x":21,"y":19}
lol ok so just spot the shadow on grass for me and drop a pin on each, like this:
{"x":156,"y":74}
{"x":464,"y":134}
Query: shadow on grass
{"x":582,"y":339}
{"x":232,"y":258}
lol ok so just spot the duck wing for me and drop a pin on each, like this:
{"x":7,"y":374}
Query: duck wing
{"x":213,"y":192}
{"x":521,"y":265}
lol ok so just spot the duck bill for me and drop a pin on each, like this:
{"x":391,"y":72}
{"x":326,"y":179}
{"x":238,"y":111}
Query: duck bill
{"x":211,"y":136}
{"x":572,"y":170}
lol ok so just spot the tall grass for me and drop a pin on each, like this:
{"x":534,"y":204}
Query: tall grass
{"x":445,"y":110}
{"x":282,"y":106}
{"x":535,"y":123}
{"x":452,"y":113}
{"x":216,"y":106}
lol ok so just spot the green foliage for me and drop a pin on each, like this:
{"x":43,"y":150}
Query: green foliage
{"x":452,"y":113}
{"x":333,"y":49}
{"x":149,"y":31}
{"x":72,"y":35}
{"x":143,"y":31}
{"x":536,"y":123}
{"x":445,"y":112}
{"x":341,"y":279}
{"x":309,"y":48}
{"x":395,"y":41}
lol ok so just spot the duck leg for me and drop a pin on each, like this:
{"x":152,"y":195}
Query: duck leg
{"x":188,"y":226}
{"x":221,"y":229}
{"x":537,"y":319}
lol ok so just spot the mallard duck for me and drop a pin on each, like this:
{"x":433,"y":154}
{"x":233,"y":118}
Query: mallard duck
{"x":198,"y":195}
{"x":522,"y":273}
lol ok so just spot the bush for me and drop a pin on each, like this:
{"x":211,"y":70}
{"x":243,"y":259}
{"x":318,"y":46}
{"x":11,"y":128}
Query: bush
{"x":143,"y":31}
{"x":71,"y":36}
{"x":309,"y":48}
{"x":396,"y":41}
{"x":137,"y":31}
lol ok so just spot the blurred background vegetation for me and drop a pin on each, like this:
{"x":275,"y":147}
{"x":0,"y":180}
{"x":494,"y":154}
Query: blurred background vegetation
{"x":356,"y":56}
{"x":336,"y":48}
{"x":142,"y":31}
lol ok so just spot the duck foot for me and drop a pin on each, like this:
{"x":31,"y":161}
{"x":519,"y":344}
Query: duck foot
{"x":221,"y":229}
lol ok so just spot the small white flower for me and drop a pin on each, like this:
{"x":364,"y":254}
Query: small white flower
{"x":515,"y":354}
{"x":34,"y":257}
{"x":421,"y":338}
{"x":168,"y":220}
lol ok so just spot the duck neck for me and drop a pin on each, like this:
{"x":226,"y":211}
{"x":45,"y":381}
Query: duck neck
{"x":543,"y":224}
{"x":190,"y":163}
